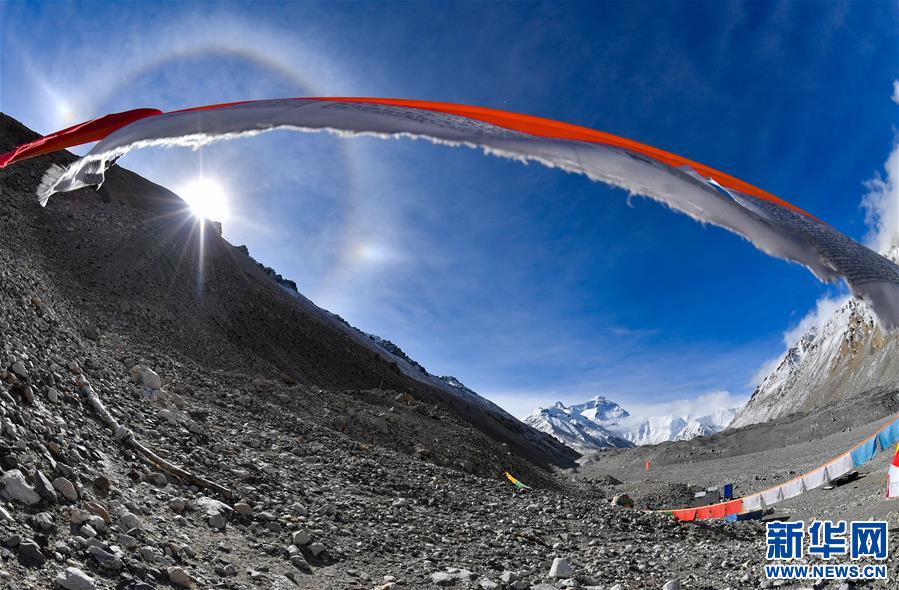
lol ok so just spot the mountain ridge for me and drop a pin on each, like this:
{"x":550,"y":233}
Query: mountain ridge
{"x":847,"y":354}
{"x":601,"y":424}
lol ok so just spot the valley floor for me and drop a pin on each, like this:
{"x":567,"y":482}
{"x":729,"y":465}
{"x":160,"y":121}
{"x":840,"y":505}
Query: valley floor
{"x":757,"y":457}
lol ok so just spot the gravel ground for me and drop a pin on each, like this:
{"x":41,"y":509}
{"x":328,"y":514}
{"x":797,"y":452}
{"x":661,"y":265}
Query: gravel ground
{"x":723,"y":459}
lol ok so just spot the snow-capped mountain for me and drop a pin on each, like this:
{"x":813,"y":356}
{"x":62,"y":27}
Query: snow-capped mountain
{"x":658,"y":429}
{"x":846,"y":355}
{"x":693,"y":429}
{"x":599,"y":409}
{"x":600,"y":424}
{"x":574,"y":429}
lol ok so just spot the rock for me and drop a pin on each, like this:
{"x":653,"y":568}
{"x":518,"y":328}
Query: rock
{"x":16,"y":488}
{"x":178,"y":505}
{"x":75,"y":579}
{"x":66,"y":488}
{"x":19,"y":369}
{"x":44,"y":487}
{"x":226,"y":570}
{"x":92,"y":332}
{"x":105,"y":559}
{"x":243,"y":508}
{"x":9,"y":428}
{"x":487,"y":584}
{"x":217,"y":521}
{"x":561,"y":568}
{"x":451,"y":576}
{"x":316,"y":549}
{"x":101,"y":484}
{"x":149,"y":554}
{"x":30,"y":554}
{"x":216,"y":511}
{"x":299,"y":562}
{"x":142,"y":375}
{"x":508,"y":577}
{"x":97,"y":522}
{"x":300,"y":538}
{"x":127,"y":541}
{"x":179,"y":577}
{"x":129,"y":522}
{"x":53,"y":396}
{"x":672,"y":585}
{"x":43,"y":522}
{"x":79,"y":516}
{"x":622,"y":500}
{"x":380,"y":424}
{"x":443,"y":579}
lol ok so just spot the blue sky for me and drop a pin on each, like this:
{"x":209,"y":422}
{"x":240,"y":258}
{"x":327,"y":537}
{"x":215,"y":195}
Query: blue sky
{"x":528,"y":284}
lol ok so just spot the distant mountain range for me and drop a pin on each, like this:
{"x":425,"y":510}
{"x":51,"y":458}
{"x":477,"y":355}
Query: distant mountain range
{"x":600,"y":424}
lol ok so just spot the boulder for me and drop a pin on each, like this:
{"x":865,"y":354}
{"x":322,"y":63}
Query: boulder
{"x":561,"y":568}
{"x":75,"y":579}
{"x":17,"y":489}
{"x":66,"y":488}
{"x":143,"y":375}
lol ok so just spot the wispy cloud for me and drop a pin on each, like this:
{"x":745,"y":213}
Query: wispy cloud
{"x":823,"y":310}
{"x":701,"y":405}
{"x":881,"y":202}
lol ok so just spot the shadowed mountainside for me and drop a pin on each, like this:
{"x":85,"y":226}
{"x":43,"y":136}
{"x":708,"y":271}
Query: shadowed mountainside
{"x":169,"y":281}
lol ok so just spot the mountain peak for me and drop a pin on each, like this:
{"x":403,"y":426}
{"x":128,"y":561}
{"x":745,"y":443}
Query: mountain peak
{"x":846,"y":355}
{"x":601,"y":423}
{"x":600,"y":409}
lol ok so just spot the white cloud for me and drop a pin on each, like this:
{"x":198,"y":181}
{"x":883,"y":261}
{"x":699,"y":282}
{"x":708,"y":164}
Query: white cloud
{"x":823,"y":310}
{"x":896,"y":91}
{"x":702,"y":405}
{"x":881,"y":203}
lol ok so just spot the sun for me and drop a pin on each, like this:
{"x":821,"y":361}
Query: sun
{"x":206,"y":198}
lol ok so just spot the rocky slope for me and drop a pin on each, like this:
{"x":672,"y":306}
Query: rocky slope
{"x":846,"y":355}
{"x":135,"y":264}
